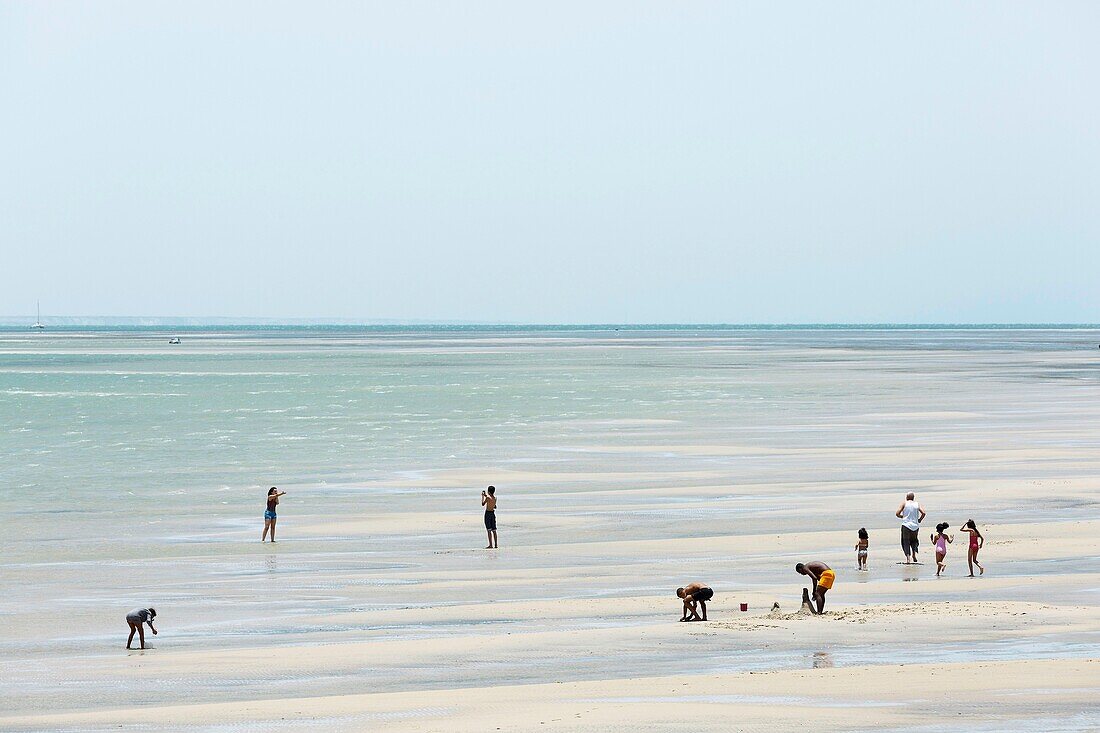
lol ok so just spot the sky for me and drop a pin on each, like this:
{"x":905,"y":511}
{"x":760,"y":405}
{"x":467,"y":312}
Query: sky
{"x":558,"y":162}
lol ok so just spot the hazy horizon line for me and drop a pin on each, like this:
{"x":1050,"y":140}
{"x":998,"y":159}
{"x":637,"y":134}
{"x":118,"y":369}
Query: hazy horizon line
{"x":242,"y":321}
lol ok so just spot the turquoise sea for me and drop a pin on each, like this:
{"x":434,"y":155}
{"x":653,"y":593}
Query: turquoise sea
{"x":119,"y":421}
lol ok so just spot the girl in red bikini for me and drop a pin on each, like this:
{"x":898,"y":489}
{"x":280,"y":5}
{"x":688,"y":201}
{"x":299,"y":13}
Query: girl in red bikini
{"x":976,"y":542}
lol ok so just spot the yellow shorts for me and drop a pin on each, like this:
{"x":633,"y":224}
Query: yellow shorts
{"x":826,"y":579}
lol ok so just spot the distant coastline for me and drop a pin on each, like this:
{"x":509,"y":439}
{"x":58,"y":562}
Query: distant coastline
{"x":76,"y":323}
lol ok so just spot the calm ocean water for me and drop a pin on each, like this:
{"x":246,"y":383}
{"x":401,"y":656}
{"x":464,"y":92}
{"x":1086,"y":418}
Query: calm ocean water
{"x":121,"y":424}
{"x":114,"y":420}
{"x":134,"y":470}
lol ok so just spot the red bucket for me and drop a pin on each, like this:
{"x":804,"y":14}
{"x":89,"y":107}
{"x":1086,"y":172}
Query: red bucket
{"x":744,"y":606}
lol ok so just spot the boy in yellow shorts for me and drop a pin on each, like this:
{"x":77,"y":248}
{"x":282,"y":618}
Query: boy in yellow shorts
{"x":823,"y":577}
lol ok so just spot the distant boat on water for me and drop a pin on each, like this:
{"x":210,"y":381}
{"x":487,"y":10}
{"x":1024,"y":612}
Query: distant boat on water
{"x":38,"y":317}
{"x":174,"y":340}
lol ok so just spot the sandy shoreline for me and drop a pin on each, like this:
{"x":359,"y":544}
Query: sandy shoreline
{"x":875,"y":634}
{"x":573,"y":602}
{"x":855,"y":698}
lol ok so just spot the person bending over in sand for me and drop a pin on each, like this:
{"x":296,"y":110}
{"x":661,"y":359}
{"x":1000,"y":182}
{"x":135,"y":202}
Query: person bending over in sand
{"x":270,"y":517}
{"x":136,"y":618}
{"x":976,"y":542}
{"x":695,"y":597}
{"x":940,"y":539}
{"x":823,"y":577}
{"x":911,"y":515}
{"x":861,"y":549}
{"x":489,"y":501}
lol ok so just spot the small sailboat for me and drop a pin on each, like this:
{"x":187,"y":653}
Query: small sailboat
{"x":38,"y":318}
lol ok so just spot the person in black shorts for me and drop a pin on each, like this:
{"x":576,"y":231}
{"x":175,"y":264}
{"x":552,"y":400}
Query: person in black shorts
{"x":489,"y":501}
{"x":695,"y":597}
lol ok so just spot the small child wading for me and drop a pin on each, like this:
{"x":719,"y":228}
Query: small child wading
{"x":861,"y":549}
{"x":940,"y":539}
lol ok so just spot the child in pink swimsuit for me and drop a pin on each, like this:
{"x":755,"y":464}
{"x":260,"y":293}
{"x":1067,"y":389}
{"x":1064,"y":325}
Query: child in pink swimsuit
{"x":976,"y":542}
{"x":940,"y":540}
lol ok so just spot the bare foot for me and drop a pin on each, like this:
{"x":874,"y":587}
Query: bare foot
{"x":981,"y":571}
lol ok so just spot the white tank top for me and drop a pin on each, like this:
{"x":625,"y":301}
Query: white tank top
{"x":910,"y":515}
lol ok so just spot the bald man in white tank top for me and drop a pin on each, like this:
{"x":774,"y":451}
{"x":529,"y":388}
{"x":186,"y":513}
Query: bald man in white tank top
{"x":911,"y":515}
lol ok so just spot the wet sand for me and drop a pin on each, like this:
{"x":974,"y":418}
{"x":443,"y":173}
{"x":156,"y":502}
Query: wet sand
{"x":583,"y":626}
{"x":990,"y":696}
